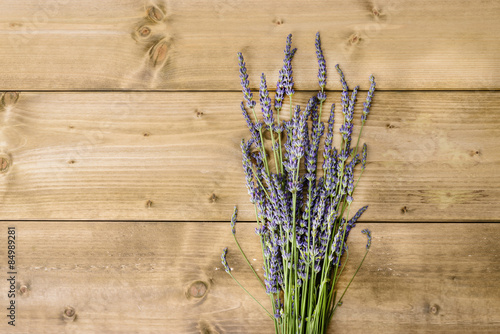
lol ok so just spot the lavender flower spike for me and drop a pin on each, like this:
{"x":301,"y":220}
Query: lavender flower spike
{"x":287,"y":67}
{"x":363,"y":160}
{"x":369,"y":236}
{"x":233,"y":220}
{"x":245,"y":84}
{"x":224,"y":261}
{"x":367,"y":104}
{"x":322,"y":69}
{"x":265,"y":102}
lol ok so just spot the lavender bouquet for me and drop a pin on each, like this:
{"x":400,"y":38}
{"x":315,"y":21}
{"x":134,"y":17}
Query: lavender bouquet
{"x":302,"y":216}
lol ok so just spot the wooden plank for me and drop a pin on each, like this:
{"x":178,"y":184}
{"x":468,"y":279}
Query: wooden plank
{"x":138,"y":278}
{"x":191,"y":45}
{"x":175,"y":156}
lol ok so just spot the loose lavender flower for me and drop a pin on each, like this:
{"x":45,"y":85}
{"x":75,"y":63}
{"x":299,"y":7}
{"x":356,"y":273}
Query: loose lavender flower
{"x":233,"y":220}
{"x":369,"y":236}
{"x":224,"y":261}
{"x":245,"y":84}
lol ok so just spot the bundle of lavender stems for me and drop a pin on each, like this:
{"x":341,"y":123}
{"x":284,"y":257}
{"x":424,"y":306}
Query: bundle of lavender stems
{"x":302,"y":214}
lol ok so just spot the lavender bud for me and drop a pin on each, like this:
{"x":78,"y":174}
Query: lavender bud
{"x":369,"y":236}
{"x":224,"y":261}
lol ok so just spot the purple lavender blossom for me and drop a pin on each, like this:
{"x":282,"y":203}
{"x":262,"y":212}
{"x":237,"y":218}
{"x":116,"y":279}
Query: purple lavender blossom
{"x":322,"y":68}
{"x":345,"y":90}
{"x":247,"y":168}
{"x":265,"y":102}
{"x":245,"y":84}
{"x":287,"y":67}
{"x":251,"y":127}
{"x":285,"y":81}
{"x":367,"y":104}
{"x":363,"y":160}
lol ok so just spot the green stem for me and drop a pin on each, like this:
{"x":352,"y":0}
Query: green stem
{"x":260,"y":183}
{"x":248,"y":293}
{"x":248,"y":262}
{"x":266,"y":165}
{"x":347,"y":287}
{"x":279,"y":140}
{"x":357,"y":143}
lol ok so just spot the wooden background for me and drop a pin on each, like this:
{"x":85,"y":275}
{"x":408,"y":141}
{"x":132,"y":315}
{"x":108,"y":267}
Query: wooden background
{"x":120,"y":161}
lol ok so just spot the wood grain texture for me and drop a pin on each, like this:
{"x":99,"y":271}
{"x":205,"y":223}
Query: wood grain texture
{"x":192,"y":45}
{"x":175,"y":156}
{"x":167,"y":278}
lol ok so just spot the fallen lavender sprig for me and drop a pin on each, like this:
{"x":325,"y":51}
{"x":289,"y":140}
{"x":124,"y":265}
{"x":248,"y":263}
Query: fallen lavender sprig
{"x":303,"y":218}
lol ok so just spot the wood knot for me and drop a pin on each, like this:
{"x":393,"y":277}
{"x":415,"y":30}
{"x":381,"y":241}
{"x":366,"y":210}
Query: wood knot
{"x":9,"y":98}
{"x":155,"y":14}
{"x":149,"y":204}
{"x":23,"y":290}
{"x":474,"y":153}
{"x":158,"y":53}
{"x":278,"y":21}
{"x":144,"y":31}
{"x":404,"y":210}
{"x":69,"y":314}
{"x":71,"y":162}
{"x":390,"y":126}
{"x":213,"y":198}
{"x":375,"y":12}
{"x":354,"y":39}
{"x":198,"y":113}
{"x":146,"y":134}
{"x":197,"y":289}
{"x":434,"y":309}
{"x":4,"y":164}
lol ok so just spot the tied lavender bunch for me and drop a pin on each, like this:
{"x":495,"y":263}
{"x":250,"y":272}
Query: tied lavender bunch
{"x":302,"y":215}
